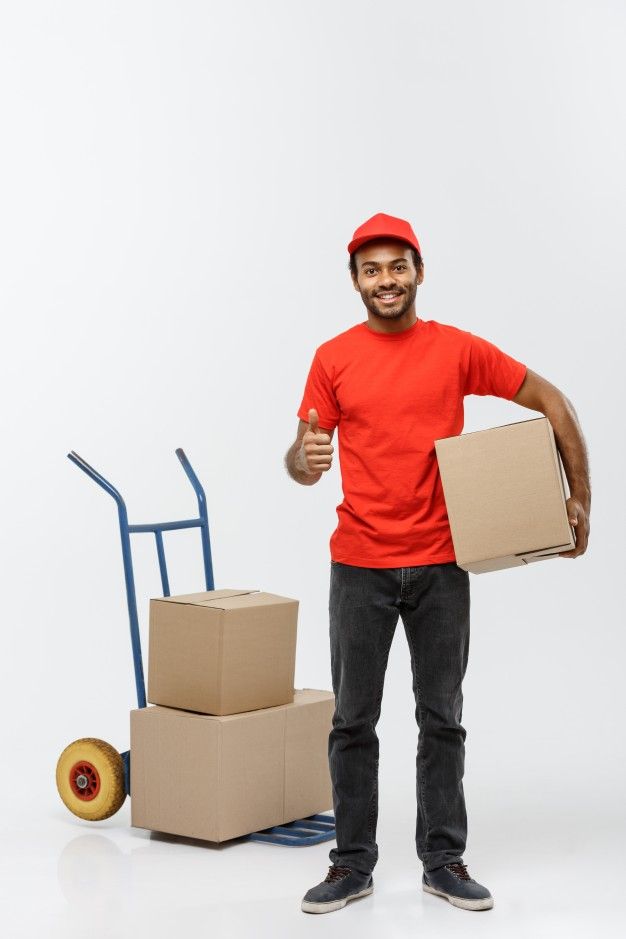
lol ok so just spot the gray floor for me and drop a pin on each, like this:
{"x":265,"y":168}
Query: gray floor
{"x":556,"y":872}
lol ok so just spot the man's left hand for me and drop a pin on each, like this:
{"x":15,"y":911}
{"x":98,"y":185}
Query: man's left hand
{"x":579,"y":518}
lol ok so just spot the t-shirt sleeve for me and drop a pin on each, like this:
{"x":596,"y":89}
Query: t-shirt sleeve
{"x":319,"y":394}
{"x":490,"y":371}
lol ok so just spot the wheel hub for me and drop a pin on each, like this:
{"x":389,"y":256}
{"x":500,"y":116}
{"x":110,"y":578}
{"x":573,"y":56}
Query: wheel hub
{"x":85,"y":780}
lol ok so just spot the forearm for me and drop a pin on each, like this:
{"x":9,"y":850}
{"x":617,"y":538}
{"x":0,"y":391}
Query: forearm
{"x":293,"y":467}
{"x":571,"y":445}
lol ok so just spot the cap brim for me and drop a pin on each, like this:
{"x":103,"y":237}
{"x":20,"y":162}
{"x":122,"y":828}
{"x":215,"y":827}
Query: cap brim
{"x":358,"y":242}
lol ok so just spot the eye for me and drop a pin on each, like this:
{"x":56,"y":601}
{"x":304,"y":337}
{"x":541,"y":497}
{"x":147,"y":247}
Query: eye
{"x":403,"y":266}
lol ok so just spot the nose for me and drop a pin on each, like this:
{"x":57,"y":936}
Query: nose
{"x":387,"y":283}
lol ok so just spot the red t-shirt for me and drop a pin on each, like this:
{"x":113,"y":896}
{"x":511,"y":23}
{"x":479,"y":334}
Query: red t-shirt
{"x":392,"y":395}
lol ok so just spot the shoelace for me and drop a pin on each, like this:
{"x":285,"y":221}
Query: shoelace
{"x":460,"y":870}
{"x":336,"y":873}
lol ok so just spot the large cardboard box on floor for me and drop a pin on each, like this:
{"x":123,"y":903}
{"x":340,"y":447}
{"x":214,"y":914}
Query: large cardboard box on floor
{"x":222,"y":651}
{"x":220,"y":777}
{"x":504,"y":489}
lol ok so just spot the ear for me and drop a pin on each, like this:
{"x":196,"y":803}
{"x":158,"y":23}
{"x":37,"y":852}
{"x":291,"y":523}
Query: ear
{"x":420,"y":276}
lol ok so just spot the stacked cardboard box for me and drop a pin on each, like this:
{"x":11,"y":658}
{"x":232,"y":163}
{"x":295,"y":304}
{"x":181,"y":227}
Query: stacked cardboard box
{"x":504,"y":490}
{"x":229,"y":746}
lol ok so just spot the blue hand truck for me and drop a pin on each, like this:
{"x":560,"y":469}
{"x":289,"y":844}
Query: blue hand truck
{"x":92,"y":777}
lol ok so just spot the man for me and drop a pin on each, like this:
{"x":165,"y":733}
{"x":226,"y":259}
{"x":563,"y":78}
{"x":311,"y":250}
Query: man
{"x":392,"y":385}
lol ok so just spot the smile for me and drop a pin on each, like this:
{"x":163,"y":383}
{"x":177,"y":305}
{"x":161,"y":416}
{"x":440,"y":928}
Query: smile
{"x":387,"y":297}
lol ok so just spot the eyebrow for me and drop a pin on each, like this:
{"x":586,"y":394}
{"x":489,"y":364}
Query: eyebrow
{"x":377,"y":263}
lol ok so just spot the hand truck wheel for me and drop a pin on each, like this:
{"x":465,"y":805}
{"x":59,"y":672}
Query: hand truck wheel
{"x":90,"y":779}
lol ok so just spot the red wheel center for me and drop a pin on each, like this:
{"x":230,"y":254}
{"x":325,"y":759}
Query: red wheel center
{"x":85,"y":780}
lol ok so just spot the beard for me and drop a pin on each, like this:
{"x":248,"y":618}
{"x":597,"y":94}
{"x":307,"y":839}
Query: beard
{"x":397,"y":310}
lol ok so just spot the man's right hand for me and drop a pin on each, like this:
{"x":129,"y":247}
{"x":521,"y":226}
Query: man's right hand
{"x":315,"y":453}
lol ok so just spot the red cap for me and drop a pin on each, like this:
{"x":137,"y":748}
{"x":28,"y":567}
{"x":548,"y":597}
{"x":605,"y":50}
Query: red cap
{"x":383,"y":226}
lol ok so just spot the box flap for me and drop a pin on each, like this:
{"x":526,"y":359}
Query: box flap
{"x":251,"y":773}
{"x":302,"y":696}
{"x":259,"y":599}
{"x":307,"y":786}
{"x":231,"y":599}
{"x":486,"y":430}
{"x":209,"y":597}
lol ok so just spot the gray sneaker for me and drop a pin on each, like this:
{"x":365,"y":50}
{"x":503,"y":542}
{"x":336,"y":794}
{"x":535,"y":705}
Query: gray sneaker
{"x":340,"y":885}
{"x":453,"y":882}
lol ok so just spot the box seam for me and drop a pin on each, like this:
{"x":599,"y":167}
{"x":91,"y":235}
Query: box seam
{"x":220,"y":663}
{"x":218,"y":787}
{"x":284,"y":809}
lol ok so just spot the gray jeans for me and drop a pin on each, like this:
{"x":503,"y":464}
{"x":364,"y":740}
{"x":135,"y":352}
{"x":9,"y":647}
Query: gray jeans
{"x":364,"y":606}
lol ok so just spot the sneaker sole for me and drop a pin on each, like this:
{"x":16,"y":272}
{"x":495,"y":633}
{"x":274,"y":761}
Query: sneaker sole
{"x":311,"y":907}
{"x":484,"y":904}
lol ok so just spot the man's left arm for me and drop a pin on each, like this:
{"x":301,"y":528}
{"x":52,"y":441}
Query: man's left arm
{"x":540,"y":395}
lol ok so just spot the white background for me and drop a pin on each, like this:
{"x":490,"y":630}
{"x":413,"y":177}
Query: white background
{"x":179,"y":184}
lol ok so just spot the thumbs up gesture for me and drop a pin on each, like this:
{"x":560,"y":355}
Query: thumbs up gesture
{"x":315,"y":454}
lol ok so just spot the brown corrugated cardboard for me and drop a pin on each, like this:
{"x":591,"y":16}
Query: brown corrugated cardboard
{"x":220,"y":777}
{"x":504,"y":489}
{"x":222,"y":651}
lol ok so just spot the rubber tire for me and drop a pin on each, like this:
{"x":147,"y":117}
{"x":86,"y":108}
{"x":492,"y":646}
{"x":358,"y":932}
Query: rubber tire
{"x":110,"y":767}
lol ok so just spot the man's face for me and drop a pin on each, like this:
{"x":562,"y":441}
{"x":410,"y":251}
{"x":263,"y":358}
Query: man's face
{"x":386,"y":278}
